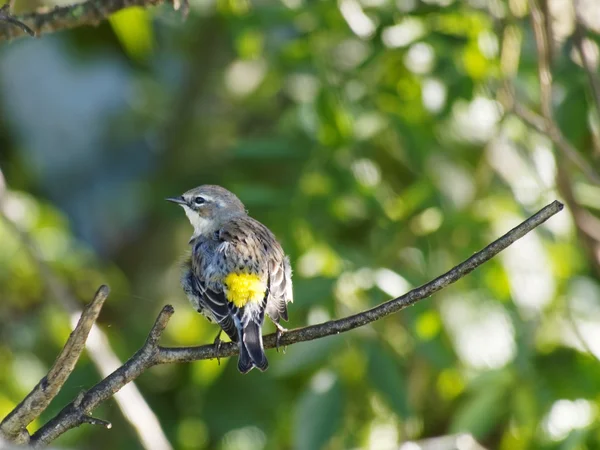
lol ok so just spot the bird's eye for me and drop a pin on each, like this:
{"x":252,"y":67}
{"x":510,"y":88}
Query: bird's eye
{"x":199,"y":200}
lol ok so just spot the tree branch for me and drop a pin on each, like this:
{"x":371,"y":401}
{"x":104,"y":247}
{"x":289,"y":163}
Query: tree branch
{"x":543,"y":50}
{"x":550,"y":128}
{"x":90,"y":12}
{"x":40,"y":397}
{"x":151,"y":354}
{"x":6,"y":16}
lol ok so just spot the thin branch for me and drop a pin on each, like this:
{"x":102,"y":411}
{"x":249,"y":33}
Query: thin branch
{"x":548,"y":30}
{"x":152,"y":354}
{"x":543,"y":51}
{"x":6,"y":16}
{"x":550,"y":128}
{"x":40,"y":397}
{"x":90,"y":12}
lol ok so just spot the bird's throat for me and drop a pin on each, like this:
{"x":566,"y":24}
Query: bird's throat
{"x":202,"y":226}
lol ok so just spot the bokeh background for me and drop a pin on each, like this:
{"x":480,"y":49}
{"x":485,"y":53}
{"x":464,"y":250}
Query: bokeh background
{"x":372,"y":137}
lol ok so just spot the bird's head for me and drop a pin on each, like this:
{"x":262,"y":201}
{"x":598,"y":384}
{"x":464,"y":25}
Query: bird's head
{"x":208,"y":207}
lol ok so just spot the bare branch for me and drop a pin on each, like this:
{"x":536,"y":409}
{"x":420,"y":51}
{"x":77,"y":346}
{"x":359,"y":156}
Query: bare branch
{"x":90,"y":12}
{"x":40,"y":397}
{"x":543,"y":50}
{"x":78,"y":411}
{"x":159,"y":326}
{"x":550,"y":128}
{"x":6,"y":16}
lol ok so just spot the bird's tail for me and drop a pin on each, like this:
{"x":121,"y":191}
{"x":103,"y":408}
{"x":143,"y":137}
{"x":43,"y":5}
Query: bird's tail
{"x":252,"y":353}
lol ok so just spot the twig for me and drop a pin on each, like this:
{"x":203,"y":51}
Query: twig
{"x":549,"y":30}
{"x":90,"y":12}
{"x":78,"y":411}
{"x":543,"y":51}
{"x":152,"y":354}
{"x":6,"y":16}
{"x":40,"y":397}
{"x":550,"y":128}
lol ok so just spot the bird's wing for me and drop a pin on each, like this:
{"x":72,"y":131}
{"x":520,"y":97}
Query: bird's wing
{"x":211,"y":299}
{"x":280,"y":289}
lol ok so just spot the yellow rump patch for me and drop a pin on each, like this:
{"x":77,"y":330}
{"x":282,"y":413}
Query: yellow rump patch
{"x":243,"y":288}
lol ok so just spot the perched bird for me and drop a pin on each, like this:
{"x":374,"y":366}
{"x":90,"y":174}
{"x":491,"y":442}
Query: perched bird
{"x":237,"y":271}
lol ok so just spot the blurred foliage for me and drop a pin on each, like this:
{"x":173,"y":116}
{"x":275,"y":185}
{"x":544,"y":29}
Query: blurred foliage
{"x":367,"y":135}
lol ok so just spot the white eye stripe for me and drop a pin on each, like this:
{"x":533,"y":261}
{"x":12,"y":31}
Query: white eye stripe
{"x":206,"y":198}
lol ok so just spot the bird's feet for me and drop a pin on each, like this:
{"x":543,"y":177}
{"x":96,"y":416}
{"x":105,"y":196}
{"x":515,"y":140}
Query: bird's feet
{"x":278,"y":334}
{"x":217,"y":344}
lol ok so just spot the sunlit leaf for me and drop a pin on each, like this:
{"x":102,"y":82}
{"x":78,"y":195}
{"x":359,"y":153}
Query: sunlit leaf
{"x":484,"y":407}
{"x":133,"y":27}
{"x":318,"y":416}
{"x":387,"y":377}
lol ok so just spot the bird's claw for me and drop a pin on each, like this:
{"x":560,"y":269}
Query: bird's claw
{"x":217,"y":345}
{"x":278,"y":334}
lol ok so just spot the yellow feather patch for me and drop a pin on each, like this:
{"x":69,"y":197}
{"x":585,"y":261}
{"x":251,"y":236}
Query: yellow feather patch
{"x":243,"y":288}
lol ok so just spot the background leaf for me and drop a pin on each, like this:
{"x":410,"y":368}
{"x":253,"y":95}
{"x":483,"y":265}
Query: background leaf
{"x":318,"y":415}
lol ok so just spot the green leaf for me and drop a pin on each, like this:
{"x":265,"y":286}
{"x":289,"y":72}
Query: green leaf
{"x":570,"y":112}
{"x":387,"y":377}
{"x":134,"y":29}
{"x":568,"y":364}
{"x":318,"y":415}
{"x":485,"y":407}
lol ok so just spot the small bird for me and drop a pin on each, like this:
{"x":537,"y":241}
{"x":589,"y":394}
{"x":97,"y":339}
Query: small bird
{"x":237,"y":271}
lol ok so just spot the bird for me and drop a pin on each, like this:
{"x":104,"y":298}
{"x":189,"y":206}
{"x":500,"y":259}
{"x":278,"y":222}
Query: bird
{"x":236,"y":272}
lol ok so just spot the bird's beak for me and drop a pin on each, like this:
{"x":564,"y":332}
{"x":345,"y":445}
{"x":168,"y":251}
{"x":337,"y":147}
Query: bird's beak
{"x":178,"y":200}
